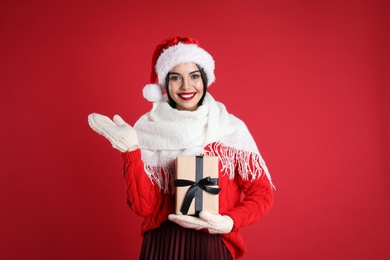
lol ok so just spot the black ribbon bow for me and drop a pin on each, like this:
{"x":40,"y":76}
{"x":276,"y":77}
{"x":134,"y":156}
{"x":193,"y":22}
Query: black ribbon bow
{"x":194,"y":186}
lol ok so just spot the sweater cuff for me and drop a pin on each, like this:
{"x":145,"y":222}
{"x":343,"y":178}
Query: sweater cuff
{"x":131,"y":156}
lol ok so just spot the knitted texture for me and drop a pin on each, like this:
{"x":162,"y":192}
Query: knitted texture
{"x":121,"y":135}
{"x":146,"y":199}
{"x":165,"y":133}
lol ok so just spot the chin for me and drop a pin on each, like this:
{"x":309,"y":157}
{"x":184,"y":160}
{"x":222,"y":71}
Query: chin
{"x":187,"y":107}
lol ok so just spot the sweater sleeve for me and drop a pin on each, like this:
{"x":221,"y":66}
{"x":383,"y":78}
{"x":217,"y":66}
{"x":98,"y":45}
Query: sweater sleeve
{"x":257,"y":201}
{"x":142,"y":195}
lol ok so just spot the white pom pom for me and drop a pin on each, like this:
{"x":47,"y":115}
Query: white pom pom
{"x":152,"y":92}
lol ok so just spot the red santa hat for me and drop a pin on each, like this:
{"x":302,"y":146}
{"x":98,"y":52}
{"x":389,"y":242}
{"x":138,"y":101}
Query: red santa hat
{"x":171,"y":52}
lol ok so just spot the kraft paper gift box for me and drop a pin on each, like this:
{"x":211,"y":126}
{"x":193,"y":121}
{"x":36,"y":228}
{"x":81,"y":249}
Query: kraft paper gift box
{"x":196,"y":185}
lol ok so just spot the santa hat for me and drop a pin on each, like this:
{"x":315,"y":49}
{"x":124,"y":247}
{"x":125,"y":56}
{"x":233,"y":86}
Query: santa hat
{"x":171,"y":52}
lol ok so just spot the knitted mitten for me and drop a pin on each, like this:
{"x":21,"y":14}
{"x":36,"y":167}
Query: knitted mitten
{"x":214,"y":223}
{"x":121,"y":135}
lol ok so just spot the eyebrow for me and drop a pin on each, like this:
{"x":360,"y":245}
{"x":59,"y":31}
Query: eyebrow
{"x":195,"y":71}
{"x":177,"y":73}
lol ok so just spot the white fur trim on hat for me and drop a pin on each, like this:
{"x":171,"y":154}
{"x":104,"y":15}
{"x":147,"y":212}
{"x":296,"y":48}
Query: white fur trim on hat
{"x":152,"y":92}
{"x":184,"y":53}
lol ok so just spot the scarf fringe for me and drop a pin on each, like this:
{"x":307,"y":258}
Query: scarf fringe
{"x":164,"y":177}
{"x":249,"y":165}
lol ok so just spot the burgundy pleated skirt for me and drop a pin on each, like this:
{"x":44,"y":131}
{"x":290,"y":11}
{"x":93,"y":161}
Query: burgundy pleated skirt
{"x":173,"y":242}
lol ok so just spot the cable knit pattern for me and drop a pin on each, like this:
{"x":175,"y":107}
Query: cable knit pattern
{"x":148,"y":200}
{"x":165,"y":133}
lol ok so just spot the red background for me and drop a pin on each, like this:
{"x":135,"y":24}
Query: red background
{"x":310,"y":79}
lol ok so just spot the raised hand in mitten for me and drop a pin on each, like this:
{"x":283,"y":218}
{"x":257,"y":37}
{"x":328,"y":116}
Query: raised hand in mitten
{"x":214,"y":223}
{"x":121,"y":135}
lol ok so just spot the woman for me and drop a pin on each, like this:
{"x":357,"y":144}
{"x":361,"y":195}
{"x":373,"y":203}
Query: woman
{"x":188,"y":121}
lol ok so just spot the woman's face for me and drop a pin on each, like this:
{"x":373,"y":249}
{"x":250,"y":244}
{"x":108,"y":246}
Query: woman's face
{"x":186,"y":86}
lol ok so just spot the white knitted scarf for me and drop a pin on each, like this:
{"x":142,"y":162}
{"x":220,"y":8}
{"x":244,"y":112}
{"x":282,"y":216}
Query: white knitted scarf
{"x":164,"y":133}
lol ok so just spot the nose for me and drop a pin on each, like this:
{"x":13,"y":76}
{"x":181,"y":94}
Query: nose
{"x":185,"y":84}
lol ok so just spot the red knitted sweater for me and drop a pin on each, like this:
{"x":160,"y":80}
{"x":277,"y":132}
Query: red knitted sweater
{"x":146,"y":199}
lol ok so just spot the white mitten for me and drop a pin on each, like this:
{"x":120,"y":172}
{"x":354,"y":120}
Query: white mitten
{"x":188,"y":221}
{"x":121,"y":135}
{"x":216,"y":224}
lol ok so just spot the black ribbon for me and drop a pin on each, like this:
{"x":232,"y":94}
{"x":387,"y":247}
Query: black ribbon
{"x":194,"y":186}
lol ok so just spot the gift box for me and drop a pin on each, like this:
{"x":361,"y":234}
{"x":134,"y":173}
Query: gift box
{"x":196,"y":185}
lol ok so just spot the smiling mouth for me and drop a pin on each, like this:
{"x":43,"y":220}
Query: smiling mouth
{"x":186,"y":96}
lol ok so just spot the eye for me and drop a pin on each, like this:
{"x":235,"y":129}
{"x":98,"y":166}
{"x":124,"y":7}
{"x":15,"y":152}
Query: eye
{"x":195,"y":76}
{"x":174,"y":77}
